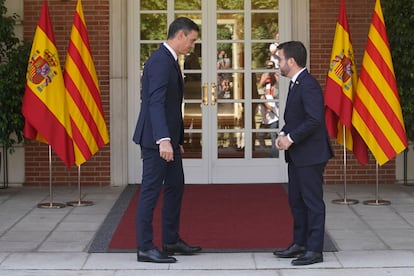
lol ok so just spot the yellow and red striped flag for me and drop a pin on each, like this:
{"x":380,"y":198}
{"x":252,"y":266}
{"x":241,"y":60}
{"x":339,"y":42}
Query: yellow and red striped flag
{"x":377,"y":111}
{"x":44,"y":102}
{"x":340,"y":88}
{"x":88,"y":123}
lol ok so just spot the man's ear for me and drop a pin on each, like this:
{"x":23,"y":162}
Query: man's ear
{"x":291,"y":61}
{"x":180,"y":34}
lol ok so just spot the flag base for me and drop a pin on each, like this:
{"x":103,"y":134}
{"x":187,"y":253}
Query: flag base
{"x":80,"y":203}
{"x":51,"y":205}
{"x":345,"y":201}
{"x":377,"y":202}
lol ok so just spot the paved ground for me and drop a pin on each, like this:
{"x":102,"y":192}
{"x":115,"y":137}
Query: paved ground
{"x":372,"y":240}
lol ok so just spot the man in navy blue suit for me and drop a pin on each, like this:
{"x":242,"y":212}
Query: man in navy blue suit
{"x":160,"y":132}
{"x":307,"y":147}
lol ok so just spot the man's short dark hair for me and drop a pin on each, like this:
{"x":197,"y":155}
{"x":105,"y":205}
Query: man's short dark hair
{"x":182,"y":23}
{"x":295,"y":50}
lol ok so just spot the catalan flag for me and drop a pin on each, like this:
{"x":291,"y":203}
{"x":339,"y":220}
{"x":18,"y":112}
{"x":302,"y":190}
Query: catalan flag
{"x":340,"y":88}
{"x":83,"y":94}
{"x":44,"y":102}
{"x":377,"y":111}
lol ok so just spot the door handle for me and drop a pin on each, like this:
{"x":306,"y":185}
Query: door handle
{"x":205,"y":93}
{"x":213,"y":93}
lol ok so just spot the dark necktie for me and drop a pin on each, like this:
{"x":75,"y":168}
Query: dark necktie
{"x":290,"y":85}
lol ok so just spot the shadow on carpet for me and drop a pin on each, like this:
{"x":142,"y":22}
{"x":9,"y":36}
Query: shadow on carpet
{"x":220,"y":218}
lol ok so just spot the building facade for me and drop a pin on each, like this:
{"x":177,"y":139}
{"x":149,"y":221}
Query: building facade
{"x":224,"y":139}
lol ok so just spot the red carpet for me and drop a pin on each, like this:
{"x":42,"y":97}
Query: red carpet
{"x":221,"y":218}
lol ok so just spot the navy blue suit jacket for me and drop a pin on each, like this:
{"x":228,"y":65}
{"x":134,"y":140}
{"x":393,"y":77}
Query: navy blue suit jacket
{"x":161,"y":100}
{"x":305,"y":123}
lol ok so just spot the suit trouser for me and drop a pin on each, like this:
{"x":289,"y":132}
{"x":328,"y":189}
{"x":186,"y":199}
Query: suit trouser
{"x":156,"y":172}
{"x":305,"y":194}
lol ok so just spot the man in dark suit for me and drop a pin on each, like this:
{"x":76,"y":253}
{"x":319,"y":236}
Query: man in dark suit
{"x":307,"y":150}
{"x":160,"y":132}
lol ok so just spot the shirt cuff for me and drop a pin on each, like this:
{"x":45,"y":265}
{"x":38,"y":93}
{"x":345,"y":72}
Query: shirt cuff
{"x":163,"y":139}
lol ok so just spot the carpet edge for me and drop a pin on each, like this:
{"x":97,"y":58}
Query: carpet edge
{"x":102,"y":238}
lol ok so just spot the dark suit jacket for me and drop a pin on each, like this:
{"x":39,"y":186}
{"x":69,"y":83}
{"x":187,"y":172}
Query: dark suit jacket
{"x":305,"y":122}
{"x":161,"y":99}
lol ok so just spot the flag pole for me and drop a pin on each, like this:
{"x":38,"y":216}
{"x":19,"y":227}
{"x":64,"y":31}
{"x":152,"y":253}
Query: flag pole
{"x":79,"y":202}
{"x":345,"y":200}
{"x":51,"y":204}
{"x":377,"y":201}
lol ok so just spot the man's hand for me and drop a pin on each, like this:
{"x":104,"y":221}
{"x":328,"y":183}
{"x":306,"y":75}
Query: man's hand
{"x":283,"y":143}
{"x":166,"y":151}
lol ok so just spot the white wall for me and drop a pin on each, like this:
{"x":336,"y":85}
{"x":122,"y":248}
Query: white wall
{"x":16,"y":7}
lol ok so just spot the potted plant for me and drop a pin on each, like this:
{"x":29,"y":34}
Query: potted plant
{"x":14,"y":55}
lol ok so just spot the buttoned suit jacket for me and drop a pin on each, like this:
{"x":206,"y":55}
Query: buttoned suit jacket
{"x":161,"y":99}
{"x":305,"y":123}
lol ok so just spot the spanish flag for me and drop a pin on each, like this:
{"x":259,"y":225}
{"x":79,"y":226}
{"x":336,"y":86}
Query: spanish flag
{"x":377,"y":111}
{"x":83,"y":94}
{"x":340,"y":88}
{"x":44,"y":102}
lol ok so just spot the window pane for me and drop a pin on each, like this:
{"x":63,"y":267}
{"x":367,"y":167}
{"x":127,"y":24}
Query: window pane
{"x":192,"y":86}
{"x":230,"y":56}
{"x":265,"y":25}
{"x":192,"y":116}
{"x":230,"y":26}
{"x":148,"y":21}
{"x":230,"y":144}
{"x":187,"y":5}
{"x":260,"y":55}
{"x":265,"y":4}
{"x":230,"y":4}
{"x":192,"y":145}
{"x":230,"y":116}
{"x":263,"y":145}
{"x":148,"y":5}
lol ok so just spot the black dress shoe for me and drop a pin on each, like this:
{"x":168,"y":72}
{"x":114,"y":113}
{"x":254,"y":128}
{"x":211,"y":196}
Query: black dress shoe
{"x":308,"y":258}
{"x":292,"y":251}
{"x":154,"y":256}
{"x":180,"y":247}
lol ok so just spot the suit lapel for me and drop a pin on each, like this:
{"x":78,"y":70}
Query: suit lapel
{"x":176,"y":66}
{"x":291,"y":93}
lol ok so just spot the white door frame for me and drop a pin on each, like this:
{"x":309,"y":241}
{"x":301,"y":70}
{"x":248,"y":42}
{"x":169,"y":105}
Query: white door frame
{"x":124,"y":79}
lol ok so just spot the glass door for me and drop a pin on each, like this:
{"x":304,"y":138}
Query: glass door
{"x":231,"y":98}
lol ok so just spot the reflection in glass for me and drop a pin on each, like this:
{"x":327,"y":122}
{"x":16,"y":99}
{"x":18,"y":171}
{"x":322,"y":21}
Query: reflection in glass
{"x":193,"y":60}
{"x":148,"y":21}
{"x":261,"y":54}
{"x":265,"y":5}
{"x":230,"y":26}
{"x":265,"y":25}
{"x":230,"y":115}
{"x":192,"y":130}
{"x":230,"y":144}
{"x":265,"y":107}
{"x":191,"y":66}
{"x":230,"y":5}
{"x":192,"y":116}
{"x":262,"y":145}
{"x":230,"y":56}
{"x":187,"y":5}
{"x":192,"y":86}
{"x":192,"y":145}
{"x":153,"y":5}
